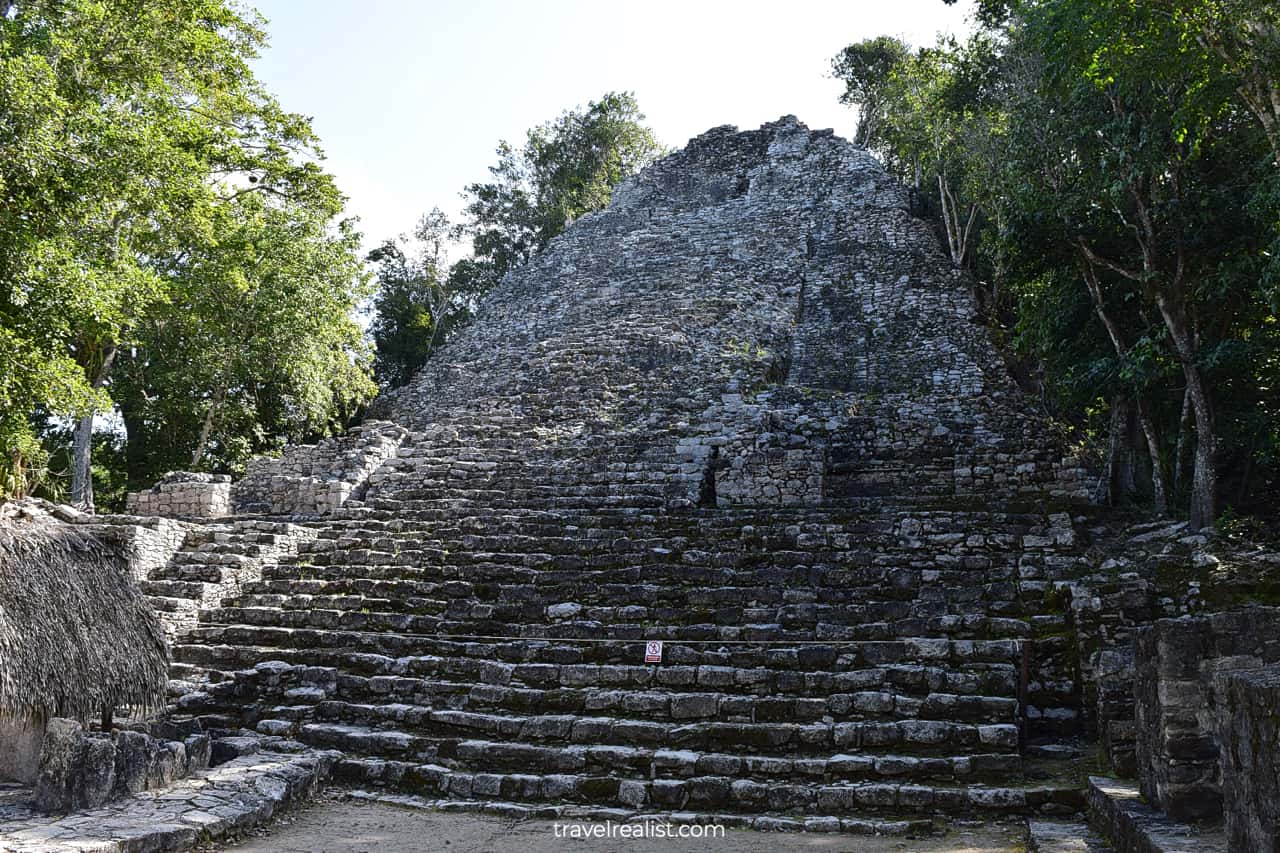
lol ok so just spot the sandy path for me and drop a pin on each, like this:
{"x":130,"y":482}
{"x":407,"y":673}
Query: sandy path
{"x":344,"y":826}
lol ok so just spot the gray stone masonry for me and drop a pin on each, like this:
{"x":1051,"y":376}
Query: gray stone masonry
{"x":1117,"y":811}
{"x":757,"y":319}
{"x":203,"y":808}
{"x":746,"y":410}
{"x":1138,"y":573}
{"x":182,"y":494}
{"x":1177,"y":713}
{"x":214,"y":561}
{"x":1249,"y":729}
{"x":319,"y":478}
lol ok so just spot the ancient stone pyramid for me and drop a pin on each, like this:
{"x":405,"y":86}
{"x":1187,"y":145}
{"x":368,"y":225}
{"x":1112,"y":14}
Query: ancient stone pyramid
{"x":747,"y":410}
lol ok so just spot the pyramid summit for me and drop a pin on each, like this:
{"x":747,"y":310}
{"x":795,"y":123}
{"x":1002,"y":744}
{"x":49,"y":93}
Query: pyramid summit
{"x":758,"y":317}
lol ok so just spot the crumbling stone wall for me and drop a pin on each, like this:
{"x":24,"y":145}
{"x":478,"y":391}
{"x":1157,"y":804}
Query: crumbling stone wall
{"x":147,"y":542}
{"x":1249,"y":731}
{"x":317,"y":478}
{"x":183,"y":494}
{"x":1137,"y":574}
{"x":1178,"y":664}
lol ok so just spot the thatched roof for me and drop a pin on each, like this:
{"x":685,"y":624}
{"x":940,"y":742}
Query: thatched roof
{"x":76,"y":634}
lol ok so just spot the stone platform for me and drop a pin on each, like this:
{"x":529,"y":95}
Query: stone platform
{"x":232,"y":797}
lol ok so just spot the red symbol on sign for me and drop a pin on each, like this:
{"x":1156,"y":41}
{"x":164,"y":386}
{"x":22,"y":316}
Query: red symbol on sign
{"x":653,"y":651}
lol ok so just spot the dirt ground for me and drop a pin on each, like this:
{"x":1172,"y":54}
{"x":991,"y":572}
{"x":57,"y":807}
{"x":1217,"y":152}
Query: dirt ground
{"x":334,"y":825}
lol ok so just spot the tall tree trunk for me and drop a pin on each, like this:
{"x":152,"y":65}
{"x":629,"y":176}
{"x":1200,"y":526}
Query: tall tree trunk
{"x":1159,"y":494}
{"x":135,"y":455}
{"x":1180,"y":451}
{"x":1122,"y":481}
{"x":207,"y":427}
{"x":1204,"y":476}
{"x":82,"y":444}
{"x":1159,"y":497}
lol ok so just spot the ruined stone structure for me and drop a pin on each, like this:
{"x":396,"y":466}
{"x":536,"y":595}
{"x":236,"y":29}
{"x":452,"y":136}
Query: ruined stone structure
{"x":183,"y":494}
{"x":748,"y":410}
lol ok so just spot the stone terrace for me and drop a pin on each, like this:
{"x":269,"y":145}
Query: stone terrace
{"x":746,"y":410}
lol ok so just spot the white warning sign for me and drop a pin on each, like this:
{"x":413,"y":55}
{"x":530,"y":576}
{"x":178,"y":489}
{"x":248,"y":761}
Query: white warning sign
{"x":653,"y":651}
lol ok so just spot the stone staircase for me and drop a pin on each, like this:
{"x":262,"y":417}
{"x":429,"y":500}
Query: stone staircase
{"x":214,"y":561}
{"x":835,"y":664}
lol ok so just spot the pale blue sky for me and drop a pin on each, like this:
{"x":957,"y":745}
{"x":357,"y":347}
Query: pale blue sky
{"x":410,"y":98}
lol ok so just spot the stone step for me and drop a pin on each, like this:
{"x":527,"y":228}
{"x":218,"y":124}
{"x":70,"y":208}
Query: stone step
{"x":159,"y":589}
{"x":916,"y":737}
{"x":765,"y":656}
{"x":428,"y":616}
{"x":714,"y":793}
{"x":174,"y":604}
{"x":878,"y":699}
{"x":511,"y":755}
{"x":192,"y":573}
{"x":452,"y":599}
{"x":443,"y":679}
{"x":1064,"y":836}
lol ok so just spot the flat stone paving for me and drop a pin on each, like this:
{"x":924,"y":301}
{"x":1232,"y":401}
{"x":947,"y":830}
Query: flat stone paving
{"x":340,"y":825}
{"x":225,"y":799}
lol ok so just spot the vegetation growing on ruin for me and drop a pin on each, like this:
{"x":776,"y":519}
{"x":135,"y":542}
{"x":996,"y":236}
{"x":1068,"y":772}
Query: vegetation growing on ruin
{"x":1111,"y":174}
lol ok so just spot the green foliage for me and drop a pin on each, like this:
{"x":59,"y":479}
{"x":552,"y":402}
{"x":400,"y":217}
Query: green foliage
{"x":418,"y":300}
{"x":565,"y":169}
{"x":131,"y":134}
{"x":256,"y":346}
{"x":1119,"y":163}
{"x":867,"y":69}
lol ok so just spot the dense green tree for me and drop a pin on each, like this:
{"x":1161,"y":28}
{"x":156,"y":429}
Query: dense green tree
{"x":127,"y":127}
{"x":867,"y":68}
{"x":565,"y":169}
{"x":256,"y":345}
{"x":1113,"y":165}
{"x":417,"y":301}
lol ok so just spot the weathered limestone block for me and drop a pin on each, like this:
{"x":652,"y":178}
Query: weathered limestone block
{"x":82,"y":770}
{"x":1177,"y":662}
{"x":134,"y":756}
{"x":77,"y":769}
{"x":1249,"y":731}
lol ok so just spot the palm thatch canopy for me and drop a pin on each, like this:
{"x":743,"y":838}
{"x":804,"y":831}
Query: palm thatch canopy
{"x":76,"y":634}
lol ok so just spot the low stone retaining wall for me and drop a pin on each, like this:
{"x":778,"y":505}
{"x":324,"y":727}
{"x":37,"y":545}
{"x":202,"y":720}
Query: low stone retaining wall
{"x":206,"y":807}
{"x":316,"y":479}
{"x":83,"y":770}
{"x":1117,"y":811}
{"x":182,"y":494}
